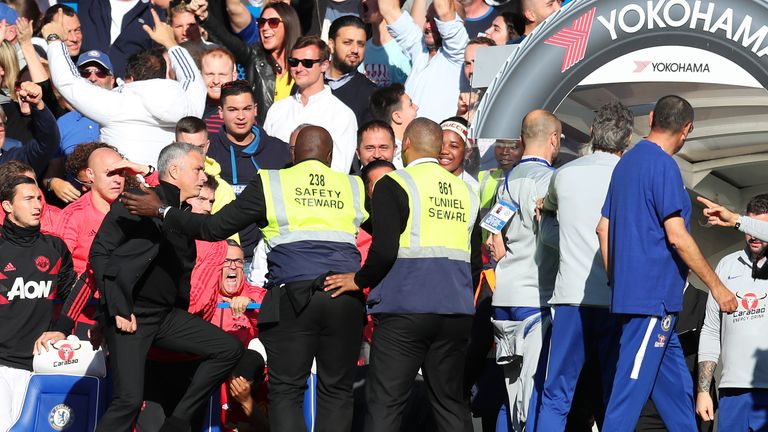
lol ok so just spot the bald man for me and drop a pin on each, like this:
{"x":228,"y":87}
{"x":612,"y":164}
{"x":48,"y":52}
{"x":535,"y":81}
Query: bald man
{"x":525,"y":279}
{"x":81,"y":220}
{"x":536,"y":11}
{"x":309,"y":215}
{"x":422,"y":266}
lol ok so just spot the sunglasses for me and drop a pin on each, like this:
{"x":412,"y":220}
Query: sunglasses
{"x":99,"y":73}
{"x":271,"y":22}
{"x":307,"y":63}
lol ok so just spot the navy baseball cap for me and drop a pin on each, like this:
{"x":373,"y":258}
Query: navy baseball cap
{"x":8,"y":14}
{"x":94,"y":56}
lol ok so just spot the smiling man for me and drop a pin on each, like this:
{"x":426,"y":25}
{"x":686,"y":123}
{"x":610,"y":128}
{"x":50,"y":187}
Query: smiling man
{"x":346,"y":39}
{"x":455,"y":150}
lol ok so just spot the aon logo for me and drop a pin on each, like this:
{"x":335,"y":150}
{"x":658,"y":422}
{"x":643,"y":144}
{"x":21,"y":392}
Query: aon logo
{"x":29,"y":290}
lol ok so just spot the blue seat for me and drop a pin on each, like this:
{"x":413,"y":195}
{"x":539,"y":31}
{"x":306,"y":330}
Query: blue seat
{"x":310,"y":402}
{"x":62,"y":402}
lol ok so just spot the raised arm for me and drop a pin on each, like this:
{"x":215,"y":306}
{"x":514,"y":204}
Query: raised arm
{"x":187,"y":73}
{"x":686,"y":247}
{"x":452,"y":31}
{"x":38,"y":151}
{"x":390,"y":10}
{"x":239,"y":15}
{"x":37,"y":72}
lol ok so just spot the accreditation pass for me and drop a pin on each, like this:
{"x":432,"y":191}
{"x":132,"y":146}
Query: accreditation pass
{"x":498,"y":217}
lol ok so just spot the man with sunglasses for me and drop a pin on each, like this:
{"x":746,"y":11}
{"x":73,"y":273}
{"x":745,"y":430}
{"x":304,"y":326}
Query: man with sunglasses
{"x":314,"y":103}
{"x":75,"y":128}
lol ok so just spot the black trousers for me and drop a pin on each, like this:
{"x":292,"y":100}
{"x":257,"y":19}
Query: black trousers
{"x":401,"y":345}
{"x":330,"y":330}
{"x":175,"y":330}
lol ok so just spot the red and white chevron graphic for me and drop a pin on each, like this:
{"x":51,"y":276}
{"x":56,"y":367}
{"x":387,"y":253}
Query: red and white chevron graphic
{"x":574,"y":39}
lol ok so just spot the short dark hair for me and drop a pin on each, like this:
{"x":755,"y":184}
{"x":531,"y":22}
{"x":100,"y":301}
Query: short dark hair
{"x":211,"y":183}
{"x":365,"y":173}
{"x":8,"y":189}
{"x":345,"y":21}
{"x":371,"y":125}
{"x":758,"y":205}
{"x":385,"y":101}
{"x":671,"y":114}
{"x":515,"y":23}
{"x":315,"y":41}
{"x":612,"y":128}
{"x":234,"y":88}
{"x":233,"y":243}
{"x":51,"y":12}
{"x":13,"y":168}
{"x":146,"y":65}
{"x":190,"y":125}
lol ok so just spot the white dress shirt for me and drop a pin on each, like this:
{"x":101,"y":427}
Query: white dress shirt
{"x":322,"y":109}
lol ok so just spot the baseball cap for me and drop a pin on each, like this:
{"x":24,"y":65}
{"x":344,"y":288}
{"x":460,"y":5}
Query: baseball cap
{"x":96,"y":57}
{"x":8,"y":14}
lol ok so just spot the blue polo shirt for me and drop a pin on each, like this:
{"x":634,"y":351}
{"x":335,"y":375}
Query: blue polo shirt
{"x":647,"y":275}
{"x":76,"y":129}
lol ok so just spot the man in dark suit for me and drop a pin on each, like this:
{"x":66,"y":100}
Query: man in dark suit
{"x":142,"y":272}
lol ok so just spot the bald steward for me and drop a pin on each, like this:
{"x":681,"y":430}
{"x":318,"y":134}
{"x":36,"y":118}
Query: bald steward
{"x":313,"y":142}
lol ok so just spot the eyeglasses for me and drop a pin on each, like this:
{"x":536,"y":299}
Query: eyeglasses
{"x":271,"y":22}
{"x":238,"y":262}
{"x":307,"y":63}
{"x":86,"y":73}
{"x":83,"y":183}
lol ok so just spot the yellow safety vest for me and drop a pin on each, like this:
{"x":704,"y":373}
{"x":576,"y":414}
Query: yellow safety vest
{"x":432,"y":271}
{"x":309,"y":201}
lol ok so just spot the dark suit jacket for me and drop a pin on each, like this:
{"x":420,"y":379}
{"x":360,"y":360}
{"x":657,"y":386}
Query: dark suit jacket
{"x":122,"y":250}
{"x":95,"y":20}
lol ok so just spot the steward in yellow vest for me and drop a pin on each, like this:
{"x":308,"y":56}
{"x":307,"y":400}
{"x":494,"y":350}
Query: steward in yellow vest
{"x":424,"y":254}
{"x":309,"y":215}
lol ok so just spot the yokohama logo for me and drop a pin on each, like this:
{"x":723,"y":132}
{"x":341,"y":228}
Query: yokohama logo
{"x":574,"y":39}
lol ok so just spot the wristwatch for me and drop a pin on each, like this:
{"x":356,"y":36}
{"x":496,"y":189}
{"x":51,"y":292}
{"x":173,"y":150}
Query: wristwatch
{"x":52,"y":37}
{"x":163,"y":210}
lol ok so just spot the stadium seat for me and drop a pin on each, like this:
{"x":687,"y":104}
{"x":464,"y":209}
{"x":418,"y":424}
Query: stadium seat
{"x":62,"y":402}
{"x":310,"y":402}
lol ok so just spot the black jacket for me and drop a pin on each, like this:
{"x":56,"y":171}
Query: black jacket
{"x":125,"y":251}
{"x":40,"y":149}
{"x":258,"y":69}
{"x":35,"y":269}
{"x":356,"y":94}
{"x":96,"y":22}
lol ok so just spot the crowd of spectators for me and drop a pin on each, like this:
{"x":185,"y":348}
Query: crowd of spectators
{"x":92,"y":95}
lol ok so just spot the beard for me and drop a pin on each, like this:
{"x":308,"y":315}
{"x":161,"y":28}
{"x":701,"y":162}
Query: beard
{"x":345,"y":68}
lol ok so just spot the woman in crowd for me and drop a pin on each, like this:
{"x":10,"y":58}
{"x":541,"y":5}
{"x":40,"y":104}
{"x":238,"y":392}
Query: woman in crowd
{"x":265,"y":61}
{"x":505,"y":27}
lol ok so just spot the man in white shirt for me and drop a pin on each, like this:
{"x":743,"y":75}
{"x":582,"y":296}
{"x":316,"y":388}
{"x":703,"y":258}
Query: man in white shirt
{"x":140,"y":117}
{"x":314,"y":103}
{"x":436,"y":52}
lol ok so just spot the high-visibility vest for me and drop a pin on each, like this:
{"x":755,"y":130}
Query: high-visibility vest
{"x":432,"y":271}
{"x":313,"y":216}
{"x":489,"y":185}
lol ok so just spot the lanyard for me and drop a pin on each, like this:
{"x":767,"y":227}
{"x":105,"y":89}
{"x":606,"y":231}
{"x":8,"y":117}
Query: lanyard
{"x":531,"y":159}
{"x":252,"y":148}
